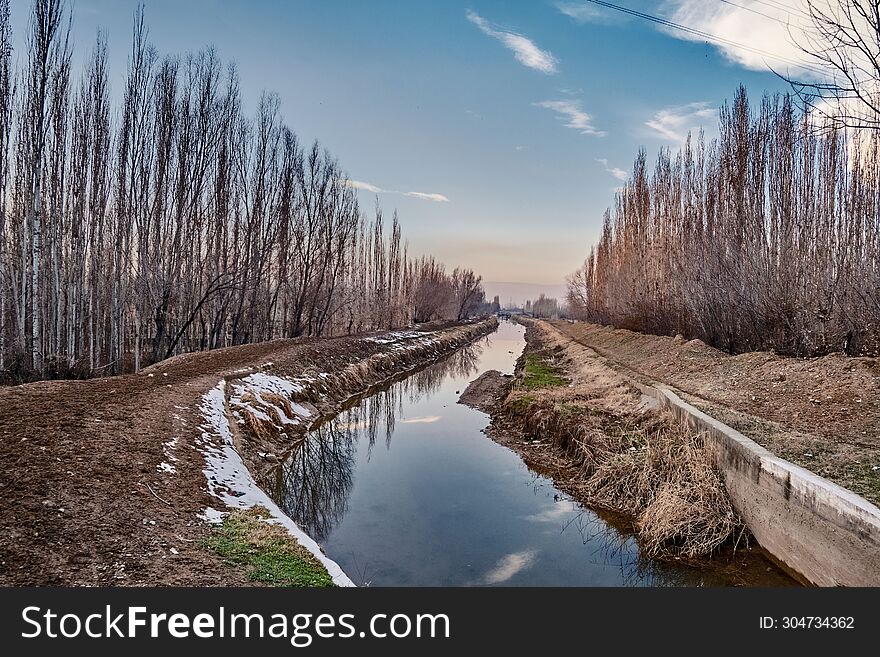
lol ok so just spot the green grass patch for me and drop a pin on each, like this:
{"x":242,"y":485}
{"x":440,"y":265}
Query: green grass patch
{"x":270,"y":553}
{"x":537,"y":373}
{"x":520,"y":405}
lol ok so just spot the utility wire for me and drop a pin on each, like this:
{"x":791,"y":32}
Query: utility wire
{"x":789,"y":9}
{"x":704,"y":35}
{"x":761,"y":13}
{"x":754,"y":11}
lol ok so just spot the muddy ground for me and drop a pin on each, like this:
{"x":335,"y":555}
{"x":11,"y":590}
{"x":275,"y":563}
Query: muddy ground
{"x":85,"y":498}
{"x":820,"y":413}
{"x":484,"y":392}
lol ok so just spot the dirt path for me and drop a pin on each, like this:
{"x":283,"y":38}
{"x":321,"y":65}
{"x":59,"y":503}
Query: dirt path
{"x":102,"y":480}
{"x":821,"y":413}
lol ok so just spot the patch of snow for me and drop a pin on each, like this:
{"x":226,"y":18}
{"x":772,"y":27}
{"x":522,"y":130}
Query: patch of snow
{"x":275,"y":384}
{"x":211,"y":516}
{"x":300,"y":410}
{"x":230,"y":481}
{"x":164,"y":466}
{"x":399,"y":336}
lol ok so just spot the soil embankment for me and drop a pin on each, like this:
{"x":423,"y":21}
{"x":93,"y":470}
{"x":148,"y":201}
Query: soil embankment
{"x":104,"y":481}
{"x":484,"y":392}
{"x":822,"y":414}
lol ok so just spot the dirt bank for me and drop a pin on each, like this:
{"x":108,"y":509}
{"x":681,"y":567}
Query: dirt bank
{"x":820,"y":413}
{"x":484,"y":392}
{"x":104,"y":481}
{"x":589,"y":428}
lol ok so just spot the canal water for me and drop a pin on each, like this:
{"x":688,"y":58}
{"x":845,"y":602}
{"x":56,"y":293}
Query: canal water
{"x":405,"y":489}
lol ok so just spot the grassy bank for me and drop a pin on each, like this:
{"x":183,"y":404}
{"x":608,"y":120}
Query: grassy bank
{"x":628,"y":458}
{"x":271,"y":556}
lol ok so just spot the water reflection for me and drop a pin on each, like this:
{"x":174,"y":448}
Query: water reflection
{"x":444,"y":505}
{"x":313,"y":484}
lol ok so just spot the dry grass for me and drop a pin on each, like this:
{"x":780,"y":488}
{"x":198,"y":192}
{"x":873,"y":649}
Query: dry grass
{"x":630,"y":459}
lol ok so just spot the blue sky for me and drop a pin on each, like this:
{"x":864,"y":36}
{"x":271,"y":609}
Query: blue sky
{"x":517,"y":118}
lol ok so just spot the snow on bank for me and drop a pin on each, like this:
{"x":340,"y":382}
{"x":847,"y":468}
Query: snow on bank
{"x":268,"y":399}
{"x":398,"y":337}
{"x":230,"y":481}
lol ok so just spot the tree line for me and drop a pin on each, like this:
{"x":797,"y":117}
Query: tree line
{"x":165,"y":219}
{"x":767,"y":237}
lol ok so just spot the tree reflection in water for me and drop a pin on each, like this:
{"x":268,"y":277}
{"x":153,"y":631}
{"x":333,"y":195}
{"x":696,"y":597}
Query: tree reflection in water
{"x":313,"y":484}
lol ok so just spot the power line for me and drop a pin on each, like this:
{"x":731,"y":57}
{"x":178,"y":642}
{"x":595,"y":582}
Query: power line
{"x":754,"y":11}
{"x":704,"y":35}
{"x":775,"y":4}
{"x":791,"y":11}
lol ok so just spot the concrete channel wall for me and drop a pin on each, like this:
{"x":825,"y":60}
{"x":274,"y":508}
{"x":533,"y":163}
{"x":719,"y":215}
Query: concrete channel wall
{"x":827,"y":535}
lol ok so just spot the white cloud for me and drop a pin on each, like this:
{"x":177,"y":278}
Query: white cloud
{"x":582,"y":12}
{"x":437,"y":198}
{"x":760,"y":26}
{"x":524,"y":49}
{"x":620,"y":174}
{"x":674,"y":123}
{"x":367,"y":187}
{"x":574,"y":115}
{"x":373,"y":189}
{"x":426,"y":419}
{"x":509,"y":566}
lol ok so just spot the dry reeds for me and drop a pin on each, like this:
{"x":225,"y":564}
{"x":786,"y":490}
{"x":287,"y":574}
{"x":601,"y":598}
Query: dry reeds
{"x":631,"y":460}
{"x":650,"y":468}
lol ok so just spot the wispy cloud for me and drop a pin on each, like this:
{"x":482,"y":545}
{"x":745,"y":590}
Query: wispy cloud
{"x":427,"y":419}
{"x":674,"y":123}
{"x":427,"y":196}
{"x":524,"y":49}
{"x":373,"y":189}
{"x":582,"y":12}
{"x":367,"y":187}
{"x":620,"y":174}
{"x":573,"y":114}
{"x":749,"y":29}
{"x":509,"y":566}
{"x":560,"y":511}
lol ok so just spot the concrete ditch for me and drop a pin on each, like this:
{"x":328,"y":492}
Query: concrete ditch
{"x":823,"y":533}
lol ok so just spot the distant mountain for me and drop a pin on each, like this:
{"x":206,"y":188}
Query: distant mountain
{"x":517,"y":293}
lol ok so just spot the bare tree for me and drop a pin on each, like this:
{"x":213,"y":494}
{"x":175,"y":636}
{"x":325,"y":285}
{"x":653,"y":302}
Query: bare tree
{"x":766,"y":238}
{"x":175,"y":222}
{"x":842,"y":41}
{"x":468,"y":294}
{"x":48,"y":55}
{"x":7,"y":101}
